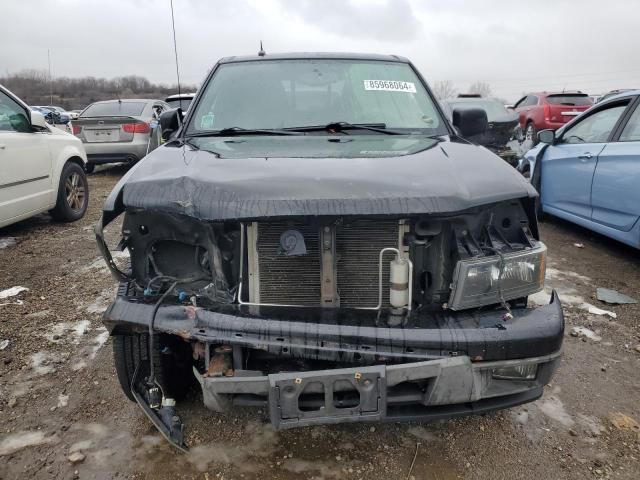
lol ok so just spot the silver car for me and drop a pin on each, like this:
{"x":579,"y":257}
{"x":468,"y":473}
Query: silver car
{"x":119,"y":131}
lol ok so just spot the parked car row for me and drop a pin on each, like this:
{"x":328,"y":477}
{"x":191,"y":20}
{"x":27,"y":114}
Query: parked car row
{"x":119,"y":131}
{"x":42,"y":167}
{"x":54,"y":117}
{"x":588,"y":171}
{"x":549,"y":110}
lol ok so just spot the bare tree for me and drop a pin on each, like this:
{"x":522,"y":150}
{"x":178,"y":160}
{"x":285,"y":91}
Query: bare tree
{"x":481,"y":88}
{"x":444,"y":89}
{"x":33,"y":87}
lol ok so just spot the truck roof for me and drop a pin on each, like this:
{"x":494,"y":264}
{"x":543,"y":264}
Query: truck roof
{"x":315,"y":56}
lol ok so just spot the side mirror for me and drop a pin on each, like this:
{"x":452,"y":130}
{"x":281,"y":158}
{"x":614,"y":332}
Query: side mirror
{"x":170,"y":122}
{"x":547,"y":136}
{"x":37,"y":120}
{"x":470,"y":121}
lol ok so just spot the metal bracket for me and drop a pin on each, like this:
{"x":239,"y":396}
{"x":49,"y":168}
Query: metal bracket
{"x":326,"y":387}
{"x":329,"y":296}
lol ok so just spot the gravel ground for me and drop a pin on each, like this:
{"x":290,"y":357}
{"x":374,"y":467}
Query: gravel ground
{"x":62,"y":414}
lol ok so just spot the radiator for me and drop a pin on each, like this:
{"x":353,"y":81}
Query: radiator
{"x":295,"y":280}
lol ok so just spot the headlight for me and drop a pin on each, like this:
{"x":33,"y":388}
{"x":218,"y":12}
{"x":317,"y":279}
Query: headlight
{"x":478,"y":282}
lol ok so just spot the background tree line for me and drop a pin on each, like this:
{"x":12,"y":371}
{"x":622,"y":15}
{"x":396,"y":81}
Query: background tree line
{"x":34,"y":88}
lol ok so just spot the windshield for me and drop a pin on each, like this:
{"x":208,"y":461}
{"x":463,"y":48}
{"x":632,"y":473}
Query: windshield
{"x":294,"y":93}
{"x":115,"y":108}
{"x":574,"y":100}
{"x":493,"y":108}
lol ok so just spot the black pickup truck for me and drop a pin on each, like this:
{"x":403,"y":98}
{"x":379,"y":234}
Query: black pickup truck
{"x":316,"y":238}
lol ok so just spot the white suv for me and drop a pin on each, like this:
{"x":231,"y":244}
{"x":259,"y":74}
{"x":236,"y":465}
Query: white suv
{"x":41,"y":168}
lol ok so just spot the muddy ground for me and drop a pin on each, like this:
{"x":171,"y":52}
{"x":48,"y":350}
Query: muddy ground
{"x":59,"y":394}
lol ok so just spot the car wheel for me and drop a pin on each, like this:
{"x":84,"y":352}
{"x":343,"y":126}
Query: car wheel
{"x":73,"y":194}
{"x":128,"y":352}
{"x":171,"y":357}
{"x":530,"y":133}
{"x":89,"y":167}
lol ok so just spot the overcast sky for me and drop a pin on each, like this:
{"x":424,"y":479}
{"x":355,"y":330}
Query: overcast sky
{"x":512,"y":45}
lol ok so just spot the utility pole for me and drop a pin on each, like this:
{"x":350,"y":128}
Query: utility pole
{"x":50,"y":80}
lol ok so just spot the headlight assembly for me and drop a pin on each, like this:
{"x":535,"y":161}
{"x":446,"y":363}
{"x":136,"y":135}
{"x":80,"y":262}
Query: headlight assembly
{"x":488,"y":280}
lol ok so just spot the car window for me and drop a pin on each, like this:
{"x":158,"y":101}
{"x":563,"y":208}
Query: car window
{"x":596,"y":128}
{"x":531,"y":100}
{"x":115,"y":108}
{"x":12,"y":116}
{"x":296,"y":93}
{"x":573,"y":100}
{"x":631,"y":132}
{"x":520,"y":103}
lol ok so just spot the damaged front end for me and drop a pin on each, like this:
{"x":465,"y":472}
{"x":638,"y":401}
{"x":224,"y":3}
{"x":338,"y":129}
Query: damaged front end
{"x":338,"y":318}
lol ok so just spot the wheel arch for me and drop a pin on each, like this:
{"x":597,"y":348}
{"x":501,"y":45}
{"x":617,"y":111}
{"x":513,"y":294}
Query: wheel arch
{"x":75,"y":159}
{"x":68,"y":153}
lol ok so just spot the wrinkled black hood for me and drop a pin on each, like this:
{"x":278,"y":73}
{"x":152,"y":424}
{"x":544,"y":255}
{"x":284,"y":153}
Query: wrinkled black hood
{"x":255,"y":177}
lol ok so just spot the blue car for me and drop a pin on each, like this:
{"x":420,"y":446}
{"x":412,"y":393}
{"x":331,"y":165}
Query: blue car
{"x":588,"y":172}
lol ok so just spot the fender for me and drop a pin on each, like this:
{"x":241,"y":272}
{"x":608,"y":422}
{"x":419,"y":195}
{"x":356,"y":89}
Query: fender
{"x":61,"y":151}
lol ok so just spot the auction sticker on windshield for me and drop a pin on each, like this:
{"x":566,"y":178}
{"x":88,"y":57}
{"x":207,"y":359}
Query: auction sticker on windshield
{"x":390,"y":86}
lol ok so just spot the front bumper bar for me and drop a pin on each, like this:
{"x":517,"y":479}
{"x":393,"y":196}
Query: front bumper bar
{"x":425,"y":365}
{"x":354,"y":336}
{"x":448,"y":387}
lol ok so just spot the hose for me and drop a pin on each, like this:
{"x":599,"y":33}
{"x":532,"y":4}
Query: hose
{"x":152,"y":372}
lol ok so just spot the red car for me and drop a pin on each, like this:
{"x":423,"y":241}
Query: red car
{"x":545,"y":110}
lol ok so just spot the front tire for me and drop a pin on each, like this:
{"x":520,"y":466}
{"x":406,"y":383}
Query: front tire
{"x":171,"y":358}
{"x":73,"y":194}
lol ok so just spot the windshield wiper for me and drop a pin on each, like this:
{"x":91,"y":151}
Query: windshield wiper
{"x":343,"y":126}
{"x":238,"y":131}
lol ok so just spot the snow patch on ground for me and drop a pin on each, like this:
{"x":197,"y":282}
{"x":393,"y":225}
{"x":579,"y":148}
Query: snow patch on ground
{"x":101,"y":302}
{"x":555,"y":274}
{"x":79,"y":365}
{"x":585,"y":332}
{"x":17,"y":441}
{"x":12,"y":292}
{"x":537,"y":419}
{"x":6,"y":242}
{"x":98,"y":342}
{"x":422,"y":433}
{"x":63,"y":400}
{"x":563,"y":282}
{"x":591,"y":425}
{"x":41,"y":363}
{"x":44,"y":363}
{"x":57,"y":331}
{"x":553,"y":408}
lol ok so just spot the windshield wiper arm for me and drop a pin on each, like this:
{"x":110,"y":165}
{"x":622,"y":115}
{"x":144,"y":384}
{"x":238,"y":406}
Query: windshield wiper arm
{"x":342,"y":126}
{"x":238,"y":131}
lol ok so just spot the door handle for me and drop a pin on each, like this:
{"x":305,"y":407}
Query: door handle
{"x":2,"y":146}
{"x":585,"y":156}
